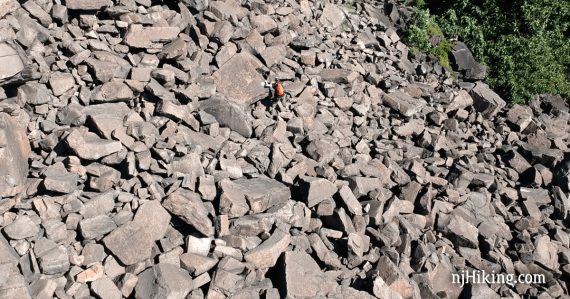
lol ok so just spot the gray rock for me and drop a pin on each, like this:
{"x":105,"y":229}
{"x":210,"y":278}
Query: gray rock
{"x":89,"y":146}
{"x":338,"y":75}
{"x":38,"y":12}
{"x":163,"y":281}
{"x":61,"y":82}
{"x":14,"y":153}
{"x":13,"y":284}
{"x":226,"y":10}
{"x":96,"y":227}
{"x":315,"y":190}
{"x":11,"y":62}
{"x":102,"y":177}
{"x":22,"y":227}
{"x":222,"y":32}
{"x":59,"y":13}
{"x":132,"y":242}
{"x":462,"y":61}
{"x":107,"y":66}
{"x":322,"y":150}
{"x":174,"y":50}
{"x":266,"y":254}
{"x":190,"y":208}
{"x":394,"y":278}
{"x":93,"y":253}
{"x":106,"y":288}
{"x":58,"y":179}
{"x":460,"y":101}
{"x":114,"y":91}
{"x":198,"y":5}
{"x":360,"y":186}
{"x":519,"y":116}
{"x":261,"y":193}
{"x":196,"y":264}
{"x":143,"y":37}
{"x":87,"y":4}
{"x":303,"y":278}
{"x":486,"y":101}
{"x":273,"y":55}
{"x":350,"y":201}
{"x":463,"y":233}
{"x":239,"y":80}
{"x":546,"y":253}
{"x":100,"y":204}
{"x":34,"y":93}
{"x":403,"y":103}
{"x":178,"y":112}
{"x":264,"y":23}
{"x":228,"y":113}
{"x":7,"y":254}
{"x":54,"y":261}
{"x":332,"y":16}
{"x":324,"y":253}
{"x":43,"y":288}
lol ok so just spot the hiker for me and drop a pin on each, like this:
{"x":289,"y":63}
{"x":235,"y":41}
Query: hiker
{"x":276,"y":91}
{"x":279,"y":92}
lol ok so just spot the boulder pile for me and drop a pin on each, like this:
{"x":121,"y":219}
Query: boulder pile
{"x":142,"y":157}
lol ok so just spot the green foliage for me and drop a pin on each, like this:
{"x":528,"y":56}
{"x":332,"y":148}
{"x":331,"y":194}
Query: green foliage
{"x":525,"y":43}
{"x":425,"y":35}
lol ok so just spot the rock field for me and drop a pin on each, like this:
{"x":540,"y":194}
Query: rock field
{"x":141,"y":157}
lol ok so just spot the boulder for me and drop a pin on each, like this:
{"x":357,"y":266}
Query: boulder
{"x":14,"y":154}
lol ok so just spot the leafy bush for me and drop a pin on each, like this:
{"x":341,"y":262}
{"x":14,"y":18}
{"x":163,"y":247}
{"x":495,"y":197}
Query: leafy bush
{"x":424,"y":34}
{"x":525,"y":43}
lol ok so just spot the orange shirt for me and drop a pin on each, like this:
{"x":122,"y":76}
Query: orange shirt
{"x":279,"y":89}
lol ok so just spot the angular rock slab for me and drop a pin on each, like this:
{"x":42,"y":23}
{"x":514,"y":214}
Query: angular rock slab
{"x":34,"y":93}
{"x":89,"y":146}
{"x":228,"y":114}
{"x":266,"y":254}
{"x":462,"y":60}
{"x":239,"y":80}
{"x":132,"y":242}
{"x":143,"y":37}
{"x":189,"y":207}
{"x":303,"y":277}
{"x":163,"y":281}
{"x":22,"y":227}
{"x":403,"y":103}
{"x":9,"y":60}
{"x":8,"y":6}
{"x":486,"y":101}
{"x":261,"y":193}
{"x":114,"y":91}
{"x":13,"y":284}
{"x":14,"y":153}
{"x":332,"y":16}
{"x":86,"y":4}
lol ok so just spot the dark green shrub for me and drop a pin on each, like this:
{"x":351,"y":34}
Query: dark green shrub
{"x":525,"y":43}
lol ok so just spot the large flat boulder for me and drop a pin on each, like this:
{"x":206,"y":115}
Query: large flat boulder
{"x":304,"y":278}
{"x":486,"y":101}
{"x":239,"y":79}
{"x":462,"y":61}
{"x":229,"y":114}
{"x":403,"y":103}
{"x":132,"y":242}
{"x":143,"y":37}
